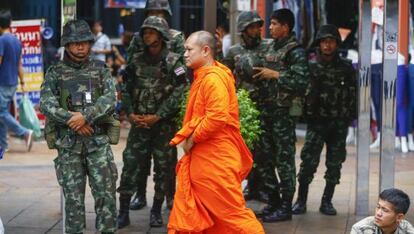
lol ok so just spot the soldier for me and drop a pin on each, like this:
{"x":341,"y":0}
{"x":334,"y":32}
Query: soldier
{"x":160,"y":8}
{"x":153,"y":92}
{"x":76,"y":96}
{"x":330,"y":108}
{"x":285,"y":71}
{"x":241,"y":59}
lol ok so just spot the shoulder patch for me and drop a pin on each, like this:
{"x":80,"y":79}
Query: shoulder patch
{"x":179,"y":71}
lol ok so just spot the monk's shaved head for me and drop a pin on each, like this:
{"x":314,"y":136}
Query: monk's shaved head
{"x":204,"y":38}
{"x":199,"y":49}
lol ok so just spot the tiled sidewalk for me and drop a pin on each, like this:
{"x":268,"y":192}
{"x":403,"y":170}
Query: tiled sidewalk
{"x":30,"y":196}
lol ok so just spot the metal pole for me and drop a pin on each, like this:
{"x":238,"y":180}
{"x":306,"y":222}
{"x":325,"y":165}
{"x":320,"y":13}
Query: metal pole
{"x":62,"y":209}
{"x":364,"y":91}
{"x":233,"y":22}
{"x":210,"y":16}
{"x":68,"y":12}
{"x":390,"y":55}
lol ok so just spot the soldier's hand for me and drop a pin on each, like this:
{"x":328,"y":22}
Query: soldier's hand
{"x":265,"y":73}
{"x":131,"y":118}
{"x":150,"y":120}
{"x":76,"y":121}
{"x":137,"y":120}
{"x":140,"y":122}
{"x":86,"y":130}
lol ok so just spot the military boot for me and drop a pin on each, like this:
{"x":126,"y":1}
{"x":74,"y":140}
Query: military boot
{"x":140,"y":199}
{"x":326,"y":203}
{"x":155,"y":217}
{"x":123,"y":216}
{"x":283,"y":213}
{"x":170,"y":202}
{"x":273,"y":205}
{"x":300,"y":205}
{"x":247,"y":194}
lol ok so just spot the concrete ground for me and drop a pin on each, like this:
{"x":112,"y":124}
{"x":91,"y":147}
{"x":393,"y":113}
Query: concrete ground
{"x":30,"y":195}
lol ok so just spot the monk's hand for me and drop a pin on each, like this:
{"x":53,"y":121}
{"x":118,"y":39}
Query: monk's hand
{"x":150,"y":120}
{"x":76,"y":121}
{"x":188,"y":144}
{"x":265,"y":73}
{"x":86,"y":130}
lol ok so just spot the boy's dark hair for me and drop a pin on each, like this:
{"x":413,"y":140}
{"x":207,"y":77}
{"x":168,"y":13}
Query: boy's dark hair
{"x":397,"y":198}
{"x":5,"y":18}
{"x":284,"y":16}
{"x":225,"y":26}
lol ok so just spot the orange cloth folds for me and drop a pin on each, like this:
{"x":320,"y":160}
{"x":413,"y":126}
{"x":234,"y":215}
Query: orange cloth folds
{"x":208,"y":198}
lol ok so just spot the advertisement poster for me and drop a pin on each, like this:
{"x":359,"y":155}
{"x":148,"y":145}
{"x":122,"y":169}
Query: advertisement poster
{"x":125,"y":3}
{"x":29,"y":34}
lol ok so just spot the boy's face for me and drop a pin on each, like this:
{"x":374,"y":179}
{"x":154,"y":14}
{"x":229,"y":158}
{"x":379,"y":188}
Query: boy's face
{"x":386,"y":216}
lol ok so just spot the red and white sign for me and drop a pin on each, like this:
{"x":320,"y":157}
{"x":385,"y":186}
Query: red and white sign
{"x":29,"y":34}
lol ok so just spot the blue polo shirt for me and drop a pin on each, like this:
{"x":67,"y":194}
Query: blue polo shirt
{"x":10,"y":50}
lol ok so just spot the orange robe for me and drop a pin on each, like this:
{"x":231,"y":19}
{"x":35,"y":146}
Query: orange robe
{"x":208,"y":197}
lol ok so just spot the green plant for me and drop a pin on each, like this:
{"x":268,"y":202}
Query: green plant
{"x":249,"y":118}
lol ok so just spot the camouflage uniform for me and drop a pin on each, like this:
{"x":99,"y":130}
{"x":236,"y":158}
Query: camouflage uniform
{"x":368,"y":226}
{"x":79,"y":156}
{"x":241,"y":59}
{"x":280,"y":111}
{"x":155,"y":85}
{"x":330,"y":107}
{"x":176,"y":45}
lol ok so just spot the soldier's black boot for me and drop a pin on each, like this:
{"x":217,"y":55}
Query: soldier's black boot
{"x":155,"y":217}
{"x":300,"y":205}
{"x":169,"y":197}
{"x":326,"y":203}
{"x":140,"y":199}
{"x":123,"y":216}
{"x":273,"y":205}
{"x":249,"y":192}
{"x":283,"y":213}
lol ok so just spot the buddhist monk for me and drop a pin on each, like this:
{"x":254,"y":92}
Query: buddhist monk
{"x":209,"y":198}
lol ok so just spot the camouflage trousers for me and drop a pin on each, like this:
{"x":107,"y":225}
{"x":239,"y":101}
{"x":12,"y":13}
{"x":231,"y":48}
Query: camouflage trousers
{"x":142,"y":144}
{"x":146,"y":171}
{"x":332,"y":133}
{"x":72,"y":170}
{"x":276,"y":150}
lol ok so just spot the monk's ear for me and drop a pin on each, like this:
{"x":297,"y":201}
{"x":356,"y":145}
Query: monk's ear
{"x":206,"y":51}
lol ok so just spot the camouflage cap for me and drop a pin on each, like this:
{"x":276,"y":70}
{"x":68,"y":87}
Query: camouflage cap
{"x":247,"y":18}
{"x":76,"y":31}
{"x":158,"y":24}
{"x":158,"y":5}
{"x":328,"y":31}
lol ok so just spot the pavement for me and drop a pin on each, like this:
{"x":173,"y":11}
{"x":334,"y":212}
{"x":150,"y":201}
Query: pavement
{"x":30,"y":196}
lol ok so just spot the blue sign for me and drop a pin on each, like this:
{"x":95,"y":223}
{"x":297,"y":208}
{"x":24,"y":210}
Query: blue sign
{"x":125,"y":3}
